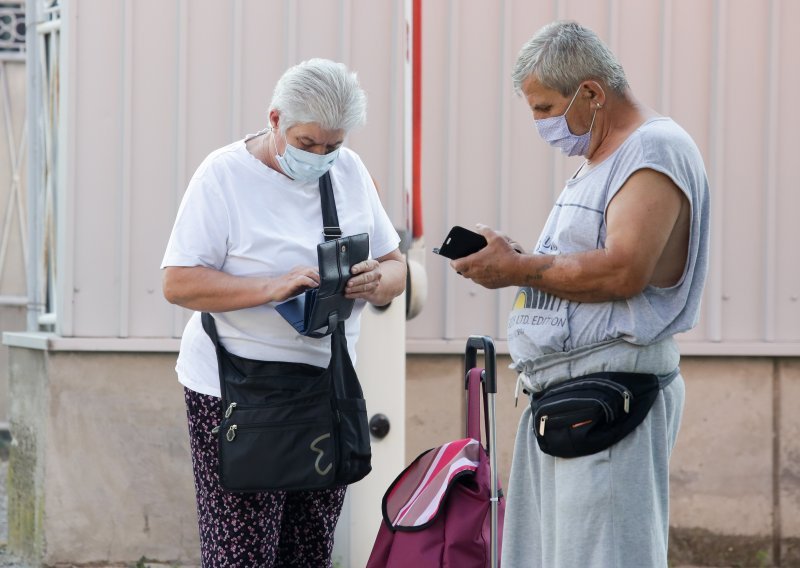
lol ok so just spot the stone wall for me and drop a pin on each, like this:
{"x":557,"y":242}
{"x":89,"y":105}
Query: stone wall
{"x":100,"y":469}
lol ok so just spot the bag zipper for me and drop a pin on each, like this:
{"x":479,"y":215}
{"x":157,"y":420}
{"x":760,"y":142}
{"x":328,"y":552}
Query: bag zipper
{"x":233,"y":406}
{"x":627,"y":395}
{"x":607,"y":410}
{"x":230,"y":435}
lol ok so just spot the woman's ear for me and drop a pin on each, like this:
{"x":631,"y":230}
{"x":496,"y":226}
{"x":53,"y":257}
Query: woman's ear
{"x":273,"y":118}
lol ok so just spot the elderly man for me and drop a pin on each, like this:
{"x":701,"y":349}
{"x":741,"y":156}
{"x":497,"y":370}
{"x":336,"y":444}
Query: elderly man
{"x":618,"y":270}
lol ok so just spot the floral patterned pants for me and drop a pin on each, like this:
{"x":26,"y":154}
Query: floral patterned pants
{"x":254,"y":530}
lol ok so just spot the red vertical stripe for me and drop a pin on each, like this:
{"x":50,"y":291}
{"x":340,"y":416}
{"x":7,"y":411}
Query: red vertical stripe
{"x":416,"y":120}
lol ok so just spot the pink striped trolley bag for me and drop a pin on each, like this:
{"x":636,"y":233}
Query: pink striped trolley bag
{"x":446,"y":508}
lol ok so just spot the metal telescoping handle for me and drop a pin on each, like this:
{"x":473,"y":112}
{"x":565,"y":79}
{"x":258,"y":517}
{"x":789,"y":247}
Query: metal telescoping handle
{"x":493,"y":480}
{"x":485,"y":343}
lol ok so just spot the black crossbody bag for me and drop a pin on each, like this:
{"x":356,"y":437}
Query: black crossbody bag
{"x":293,"y":426}
{"x":588,"y":414}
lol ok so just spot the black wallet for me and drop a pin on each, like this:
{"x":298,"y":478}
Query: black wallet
{"x":316,"y":312}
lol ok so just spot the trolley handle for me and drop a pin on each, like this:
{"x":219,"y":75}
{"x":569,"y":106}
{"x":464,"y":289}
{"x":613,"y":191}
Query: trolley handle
{"x":483,"y":343}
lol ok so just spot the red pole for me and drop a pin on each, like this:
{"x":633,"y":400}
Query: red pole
{"x":416,"y":120}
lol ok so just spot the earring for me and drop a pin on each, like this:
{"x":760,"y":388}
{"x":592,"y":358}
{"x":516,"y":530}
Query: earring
{"x":599,"y":105}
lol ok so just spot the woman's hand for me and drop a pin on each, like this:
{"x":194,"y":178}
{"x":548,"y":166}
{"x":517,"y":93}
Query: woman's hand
{"x":365,"y":280}
{"x":377,"y":281}
{"x":297,"y":280}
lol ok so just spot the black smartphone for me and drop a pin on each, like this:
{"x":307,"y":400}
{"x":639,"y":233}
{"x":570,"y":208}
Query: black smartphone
{"x":460,"y":242}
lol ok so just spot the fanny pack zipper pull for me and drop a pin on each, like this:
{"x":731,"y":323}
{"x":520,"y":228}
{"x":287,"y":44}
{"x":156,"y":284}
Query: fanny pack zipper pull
{"x":231,"y":434}
{"x":626,"y":397}
{"x":542,"y":422}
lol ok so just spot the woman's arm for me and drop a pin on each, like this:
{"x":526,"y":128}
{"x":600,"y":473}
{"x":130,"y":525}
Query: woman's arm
{"x":205,"y":289}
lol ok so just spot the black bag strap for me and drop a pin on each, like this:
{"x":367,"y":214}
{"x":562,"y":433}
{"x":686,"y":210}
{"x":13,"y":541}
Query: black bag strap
{"x":210,"y":327}
{"x":331,"y":231}
{"x":330,"y":219}
{"x":343,"y":375}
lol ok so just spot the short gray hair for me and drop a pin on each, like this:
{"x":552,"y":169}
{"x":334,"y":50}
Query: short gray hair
{"x":562,"y":55}
{"x":320,"y":91}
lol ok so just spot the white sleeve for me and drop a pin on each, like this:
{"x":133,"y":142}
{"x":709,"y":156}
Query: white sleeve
{"x":200,"y":234}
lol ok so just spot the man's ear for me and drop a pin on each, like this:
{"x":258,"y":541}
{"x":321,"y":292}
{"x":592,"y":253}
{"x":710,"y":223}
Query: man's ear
{"x":593,"y":91}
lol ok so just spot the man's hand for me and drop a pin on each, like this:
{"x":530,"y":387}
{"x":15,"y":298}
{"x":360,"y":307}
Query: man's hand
{"x":494,"y":266}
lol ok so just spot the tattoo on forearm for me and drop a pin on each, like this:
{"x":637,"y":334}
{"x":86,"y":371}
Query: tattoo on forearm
{"x":539,"y":273}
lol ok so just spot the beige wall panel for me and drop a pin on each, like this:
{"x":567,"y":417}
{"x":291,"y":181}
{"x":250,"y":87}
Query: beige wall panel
{"x":263,"y":58}
{"x":639,"y":37}
{"x":688,"y":81}
{"x":377,"y":46}
{"x":318,"y":31}
{"x":786,"y":126}
{"x":152,"y":166}
{"x":95,"y":176}
{"x":209,"y":68}
{"x":742,"y":188}
{"x":687,"y":92}
{"x":721,"y":469}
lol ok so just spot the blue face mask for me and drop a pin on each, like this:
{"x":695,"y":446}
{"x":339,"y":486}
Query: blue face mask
{"x":555,"y":131}
{"x":305,"y":166}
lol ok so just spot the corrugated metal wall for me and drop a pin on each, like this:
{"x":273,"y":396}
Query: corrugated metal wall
{"x":177,"y":78}
{"x":173,"y":80}
{"x":724,"y":69}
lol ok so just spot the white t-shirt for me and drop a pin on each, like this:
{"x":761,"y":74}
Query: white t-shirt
{"x":246,"y":219}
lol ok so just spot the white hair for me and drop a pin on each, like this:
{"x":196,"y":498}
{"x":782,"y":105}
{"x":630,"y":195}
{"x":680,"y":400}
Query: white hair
{"x":563,"y":54}
{"x":319,"y":91}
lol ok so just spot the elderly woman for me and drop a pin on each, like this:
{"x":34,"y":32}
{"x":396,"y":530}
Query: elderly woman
{"x":244,"y":240}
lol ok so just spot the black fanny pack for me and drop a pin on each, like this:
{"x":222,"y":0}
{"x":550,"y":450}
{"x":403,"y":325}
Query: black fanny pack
{"x":591,"y":413}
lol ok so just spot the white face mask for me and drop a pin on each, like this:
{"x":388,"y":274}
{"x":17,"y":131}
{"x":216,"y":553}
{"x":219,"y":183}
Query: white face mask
{"x":305,"y":166}
{"x":555,"y":131}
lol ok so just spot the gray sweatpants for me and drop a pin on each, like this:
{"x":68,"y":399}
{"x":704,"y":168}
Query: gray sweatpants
{"x":606,"y":510}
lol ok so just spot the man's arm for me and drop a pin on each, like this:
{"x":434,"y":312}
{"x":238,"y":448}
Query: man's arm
{"x":206,"y":289}
{"x":642,"y":219}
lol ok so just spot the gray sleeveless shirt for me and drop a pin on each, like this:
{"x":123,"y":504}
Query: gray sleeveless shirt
{"x":541,"y":326}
